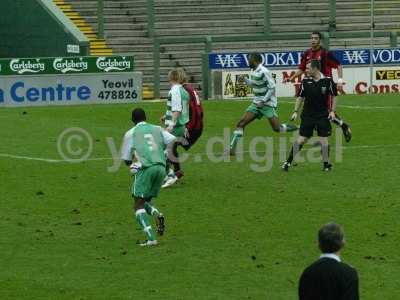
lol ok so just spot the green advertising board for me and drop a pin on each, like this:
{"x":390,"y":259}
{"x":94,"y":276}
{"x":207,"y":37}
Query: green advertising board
{"x":66,"y":65}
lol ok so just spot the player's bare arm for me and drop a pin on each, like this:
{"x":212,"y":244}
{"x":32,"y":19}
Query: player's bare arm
{"x":332,"y":113}
{"x":162,"y":119}
{"x":247,"y":80}
{"x":297,"y":105}
{"x":175,"y":117}
{"x":340,"y":81}
{"x":340,"y":73}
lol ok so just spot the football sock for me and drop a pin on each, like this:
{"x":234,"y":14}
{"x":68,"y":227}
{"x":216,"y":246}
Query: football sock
{"x":168,"y":166}
{"x":295,"y":149}
{"x":287,"y":128}
{"x":170,"y":172}
{"x":325,"y":153}
{"x":151,"y":210}
{"x":143,"y":221}
{"x":176,"y":163}
{"x":237,"y":134}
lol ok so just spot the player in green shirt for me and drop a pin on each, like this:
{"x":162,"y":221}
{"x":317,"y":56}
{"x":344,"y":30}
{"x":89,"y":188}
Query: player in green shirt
{"x":146,"y":143}
{"x":264,"y":103}
{"x":175,"y":120}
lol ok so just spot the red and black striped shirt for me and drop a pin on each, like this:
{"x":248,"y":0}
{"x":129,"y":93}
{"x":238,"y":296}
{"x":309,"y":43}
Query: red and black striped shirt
{"x":327,"y":59}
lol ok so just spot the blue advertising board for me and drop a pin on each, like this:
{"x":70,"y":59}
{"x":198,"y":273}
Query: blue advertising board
{"x":279,"y":59}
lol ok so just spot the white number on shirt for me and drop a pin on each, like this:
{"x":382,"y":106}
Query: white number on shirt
{"x":151,"y":143}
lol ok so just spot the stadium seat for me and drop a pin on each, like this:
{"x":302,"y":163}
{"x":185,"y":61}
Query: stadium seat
{"x":126,"y":28}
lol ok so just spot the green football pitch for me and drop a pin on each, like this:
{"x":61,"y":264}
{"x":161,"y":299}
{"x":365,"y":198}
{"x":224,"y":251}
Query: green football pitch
{"x":235,"y":229}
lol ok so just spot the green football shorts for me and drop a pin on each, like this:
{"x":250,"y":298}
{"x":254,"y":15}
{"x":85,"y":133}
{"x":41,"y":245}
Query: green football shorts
{"x":179,"y":131}
{"x":265,"y":111}
{"x":148,"y":181}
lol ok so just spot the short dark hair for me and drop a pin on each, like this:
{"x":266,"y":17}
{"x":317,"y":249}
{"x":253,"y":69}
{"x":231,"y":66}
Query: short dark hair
{"x":317,"y":33}
{"x":331,"y":238}
{"x":315,"y":63}
{"x":138,"y":115}
{"x":256,"y":57}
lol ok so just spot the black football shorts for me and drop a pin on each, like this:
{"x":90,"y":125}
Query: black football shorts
{"x":321,"y":125}
{"x":194,"y":135}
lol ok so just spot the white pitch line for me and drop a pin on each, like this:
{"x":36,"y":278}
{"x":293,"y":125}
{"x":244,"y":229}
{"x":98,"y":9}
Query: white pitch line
{"x":370,"y":146}
{"x":50,"y":160}
{"x":292,"y":102}
{"x":353,"y":106}
{"x":29,"y":158}
{"x":339,"y":105}
{"x":343,"y":147}
{"x":369,"y":107}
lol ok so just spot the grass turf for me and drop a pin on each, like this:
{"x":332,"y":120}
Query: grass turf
{"x":67,"y":230}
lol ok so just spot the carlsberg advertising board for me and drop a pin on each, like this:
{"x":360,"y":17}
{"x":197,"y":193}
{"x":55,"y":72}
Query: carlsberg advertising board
{"x":68,"y":81}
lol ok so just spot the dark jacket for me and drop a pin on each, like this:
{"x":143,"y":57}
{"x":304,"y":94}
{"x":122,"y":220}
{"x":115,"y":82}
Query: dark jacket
{"x":329,"y":279}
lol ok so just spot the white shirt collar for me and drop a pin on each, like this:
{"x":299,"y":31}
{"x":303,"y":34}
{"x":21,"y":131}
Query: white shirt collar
{"x":140,"y":123}
{"x":258,"y":69}
{"x":321,"y":77}
{"x":330,"y":255}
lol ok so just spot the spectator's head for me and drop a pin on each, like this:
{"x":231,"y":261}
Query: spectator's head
{"x":316,"y":39}
{"x":138,"y":115}
{"x":331,"y":238}
{"x":254,"y":60}
{"x":313,"y":68}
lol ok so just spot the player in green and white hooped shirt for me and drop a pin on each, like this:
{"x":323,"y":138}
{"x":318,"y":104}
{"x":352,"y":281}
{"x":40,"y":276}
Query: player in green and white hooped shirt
{"x":147,"y":144}
{"x":175,"y":120}
{"x":264,"y":103}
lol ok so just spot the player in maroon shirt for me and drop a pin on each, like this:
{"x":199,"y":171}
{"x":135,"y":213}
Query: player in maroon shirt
{"x":328,"y":62}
